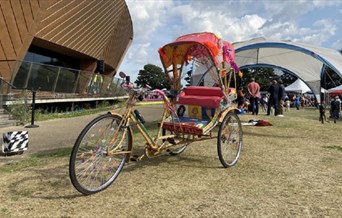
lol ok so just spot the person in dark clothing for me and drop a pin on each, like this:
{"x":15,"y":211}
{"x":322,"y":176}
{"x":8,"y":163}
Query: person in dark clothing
{"x":335,"y":108}
{"x":240,"y":97}
{"x":273,"y":99}
{"x":322,"y":116}
{"x":281,"y":98}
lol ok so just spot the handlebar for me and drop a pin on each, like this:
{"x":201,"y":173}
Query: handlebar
{"x":140,"y":92}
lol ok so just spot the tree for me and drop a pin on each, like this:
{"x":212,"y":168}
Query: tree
{"x":264,"y":77}
{"x":153,"y":76}
{"x":288,"y":79}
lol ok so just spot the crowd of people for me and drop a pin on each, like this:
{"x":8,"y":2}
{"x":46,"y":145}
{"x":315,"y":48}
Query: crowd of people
{"x":276,"y":101}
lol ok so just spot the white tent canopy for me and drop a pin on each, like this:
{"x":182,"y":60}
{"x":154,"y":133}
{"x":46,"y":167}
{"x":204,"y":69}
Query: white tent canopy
{"x":298,"y":86}
{"x":305,"y":61}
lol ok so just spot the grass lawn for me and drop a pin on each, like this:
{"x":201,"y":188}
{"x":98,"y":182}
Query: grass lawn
{"x":290,"y":169}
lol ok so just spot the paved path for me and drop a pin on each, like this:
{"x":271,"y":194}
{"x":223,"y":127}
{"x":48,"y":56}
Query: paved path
{"x":61,"y":133}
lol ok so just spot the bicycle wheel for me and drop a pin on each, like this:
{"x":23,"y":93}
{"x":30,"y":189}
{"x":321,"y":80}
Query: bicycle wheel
{"x":229,"y":140}
{"x":176,"y":150}
{"x":91,"y":168}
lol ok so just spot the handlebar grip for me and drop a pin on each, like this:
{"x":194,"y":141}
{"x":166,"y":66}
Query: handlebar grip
{"x":128,"y":79}
{"x":139,"y":117}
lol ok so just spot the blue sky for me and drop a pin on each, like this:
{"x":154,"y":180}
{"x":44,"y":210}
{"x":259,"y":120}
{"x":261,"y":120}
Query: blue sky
{"x":157,"y":22}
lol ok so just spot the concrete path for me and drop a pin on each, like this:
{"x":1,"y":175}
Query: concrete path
{"x":61,"y":133}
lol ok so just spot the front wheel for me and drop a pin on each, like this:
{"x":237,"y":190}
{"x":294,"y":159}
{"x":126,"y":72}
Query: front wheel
{"x":229,"y":140}
{"x":99,"y":154}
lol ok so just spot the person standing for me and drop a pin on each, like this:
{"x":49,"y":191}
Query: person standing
{"x":335,"y":106}
{"x":263,"y":102}
{"x":281,"y":98}
{"x":297,"y":101}
{"x":254,"y":93}
{"x":287,"y":104}
{"x":273,"y":99}
{"x":240,"y":97}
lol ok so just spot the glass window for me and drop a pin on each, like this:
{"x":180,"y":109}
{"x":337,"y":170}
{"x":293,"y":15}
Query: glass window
{"x":45,"y":65}
{"x":45,"y":56}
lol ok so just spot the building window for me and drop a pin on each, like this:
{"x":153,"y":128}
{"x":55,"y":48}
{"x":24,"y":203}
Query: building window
{"x":45,"y":70}
{"x":44,"y":56}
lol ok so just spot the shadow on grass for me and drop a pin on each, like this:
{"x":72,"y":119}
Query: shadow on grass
{"x":46,"y":175}
{"x":50,"y":180}
{"x":51,"y":183}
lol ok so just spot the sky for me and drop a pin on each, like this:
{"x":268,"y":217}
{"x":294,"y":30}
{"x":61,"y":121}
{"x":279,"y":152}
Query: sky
{"x":158,"y":22}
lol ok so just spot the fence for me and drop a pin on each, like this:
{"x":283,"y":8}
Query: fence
{"x":48,"y":78}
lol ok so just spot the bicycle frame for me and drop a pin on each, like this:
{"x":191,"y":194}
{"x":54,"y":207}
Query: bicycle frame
{"x":154,"y":145}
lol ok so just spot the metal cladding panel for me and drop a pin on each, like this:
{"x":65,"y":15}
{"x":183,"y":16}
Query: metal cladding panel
{"x":89,"y":27}
{"x":17,"y":27}
{"x":119,"y":41}
{"x":100,"y":29}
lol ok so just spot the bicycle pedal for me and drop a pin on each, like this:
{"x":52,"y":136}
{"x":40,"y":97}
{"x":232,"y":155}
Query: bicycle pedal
{"x":171,"y":141}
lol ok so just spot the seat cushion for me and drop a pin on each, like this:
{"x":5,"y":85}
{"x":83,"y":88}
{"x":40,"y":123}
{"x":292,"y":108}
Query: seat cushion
{"x":201,"y":96}
{"x":204,"y":101}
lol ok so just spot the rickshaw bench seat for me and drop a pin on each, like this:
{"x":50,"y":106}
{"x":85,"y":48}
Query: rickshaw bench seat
{"x":200,"y":96}
{"x":204,"y":100}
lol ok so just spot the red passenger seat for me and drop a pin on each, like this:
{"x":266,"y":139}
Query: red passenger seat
{"x":200,"y":96}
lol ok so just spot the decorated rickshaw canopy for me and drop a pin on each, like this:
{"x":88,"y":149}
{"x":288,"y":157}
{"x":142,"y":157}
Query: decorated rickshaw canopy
{"x":306,"y":61}
{"x":206,"y":50}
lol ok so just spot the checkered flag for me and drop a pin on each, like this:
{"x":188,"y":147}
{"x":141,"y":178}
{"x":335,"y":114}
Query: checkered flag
{"x":15,"y":141}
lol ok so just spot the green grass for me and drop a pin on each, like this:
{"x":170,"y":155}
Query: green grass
{"x":41,"y":116}
{"x":334,"y":147}
{"x":290,"y":169}
{"x":149,"y":103}
{"x":36,"y":160}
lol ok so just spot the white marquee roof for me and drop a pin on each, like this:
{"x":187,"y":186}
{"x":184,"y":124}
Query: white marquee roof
{"x":298,"y":86}
{"x":303,"y":60}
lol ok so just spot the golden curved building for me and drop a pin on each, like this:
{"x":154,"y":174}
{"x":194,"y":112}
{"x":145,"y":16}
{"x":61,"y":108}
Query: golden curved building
{"x":73,"y":34}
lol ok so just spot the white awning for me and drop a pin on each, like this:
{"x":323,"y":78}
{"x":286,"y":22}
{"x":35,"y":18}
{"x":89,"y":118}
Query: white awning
{"x":298,"y":86}
{"x":305,"y":61}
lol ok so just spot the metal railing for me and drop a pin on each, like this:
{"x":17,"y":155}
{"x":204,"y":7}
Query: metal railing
{"x":53,"y":79}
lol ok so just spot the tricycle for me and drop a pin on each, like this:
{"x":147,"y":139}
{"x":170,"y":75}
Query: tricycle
{"x":190,"y":114}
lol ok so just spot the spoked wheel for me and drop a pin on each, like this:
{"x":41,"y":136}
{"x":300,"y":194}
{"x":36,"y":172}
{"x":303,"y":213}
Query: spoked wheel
{"x":177,"y":149}
{"x":229,"y":140}
{"x":99,"y":154}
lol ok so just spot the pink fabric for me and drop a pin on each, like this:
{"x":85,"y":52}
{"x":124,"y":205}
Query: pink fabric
{"x":228,"y":55}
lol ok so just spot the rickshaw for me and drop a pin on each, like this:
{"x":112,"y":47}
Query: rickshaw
{"x":190,"y":114}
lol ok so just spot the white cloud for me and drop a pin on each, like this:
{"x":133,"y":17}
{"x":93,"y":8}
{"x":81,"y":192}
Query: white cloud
{"x":230,"y":28}
{"x":321,"y":3}
{"x":338,"y":45}
{"x":156,"y":23}
{"x":147,"y":16}
{"x":139,"y":53}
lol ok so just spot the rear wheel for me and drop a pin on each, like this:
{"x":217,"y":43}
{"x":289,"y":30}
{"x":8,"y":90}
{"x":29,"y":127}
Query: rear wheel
{"x":91,"y":168}
{"x":229,"y":140}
